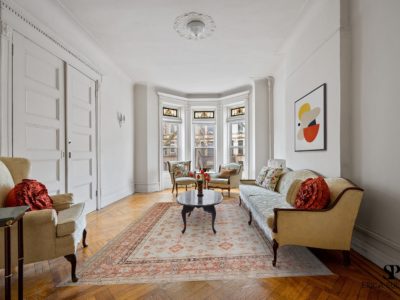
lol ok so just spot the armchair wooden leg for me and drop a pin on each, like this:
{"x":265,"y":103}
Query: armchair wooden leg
{"x":173,"y":187}
{"x":229,"y":192}
{"x":186,"y":187}
{"x":275,"y":246}
{"x":176,"y":187}
{"x":84,"y":238}
{"x":72,"y":259}
{"x":346,"y":258}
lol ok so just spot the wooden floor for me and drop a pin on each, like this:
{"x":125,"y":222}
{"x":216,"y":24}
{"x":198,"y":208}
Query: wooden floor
{"x":361,"y":280}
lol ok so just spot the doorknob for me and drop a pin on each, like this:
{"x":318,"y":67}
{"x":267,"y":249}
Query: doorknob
{"x":69,"y":142}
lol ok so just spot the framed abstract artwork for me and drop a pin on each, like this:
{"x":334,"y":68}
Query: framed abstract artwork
{"x":310,"y":121}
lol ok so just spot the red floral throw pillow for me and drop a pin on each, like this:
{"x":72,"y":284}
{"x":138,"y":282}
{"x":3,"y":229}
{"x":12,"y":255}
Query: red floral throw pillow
{"x":29,"y":192}
{"x":313,"y":194}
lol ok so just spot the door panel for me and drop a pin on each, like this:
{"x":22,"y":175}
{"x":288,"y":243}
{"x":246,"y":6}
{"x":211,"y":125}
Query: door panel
{"x":81,"y":137}
{"x":38,"y":112}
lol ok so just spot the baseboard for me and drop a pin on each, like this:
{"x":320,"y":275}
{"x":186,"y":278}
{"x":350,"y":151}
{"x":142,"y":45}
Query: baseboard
{"x":374,"y":247}
{"x":118,"y":195}
{"x":147,"y":187}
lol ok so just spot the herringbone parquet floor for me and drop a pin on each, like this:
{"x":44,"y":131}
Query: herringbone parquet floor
{"x":361,"y":280}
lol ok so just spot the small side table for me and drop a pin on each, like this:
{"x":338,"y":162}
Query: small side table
{"x":8,"y":217}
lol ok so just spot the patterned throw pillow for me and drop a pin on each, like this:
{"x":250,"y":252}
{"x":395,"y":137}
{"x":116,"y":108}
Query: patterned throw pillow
{"x":226,"y":173}
{"x":313,"y":194}
{"x":180,"y":171}
{"x":272,"y":178}
{"x":29,"y":192}
{"x":261,"y":176}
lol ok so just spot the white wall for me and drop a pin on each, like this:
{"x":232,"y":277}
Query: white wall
{"x":116,"y":92}
{"x":312,"y":58}
{"x":375,"y":126}
{"x":147,"y":174}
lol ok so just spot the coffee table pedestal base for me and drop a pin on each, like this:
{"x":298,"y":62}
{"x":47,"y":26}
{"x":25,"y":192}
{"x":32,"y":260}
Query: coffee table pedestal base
{"x":188,"y":209}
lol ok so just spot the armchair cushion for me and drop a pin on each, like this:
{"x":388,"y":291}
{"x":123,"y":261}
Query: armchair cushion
{"x":226,"y":173}
{"x":180,"y":170}
{"x":62,"y":201}
{"x":70,"y":220}
{"x":29,"y":192}
{"x":218,"y":181}
{"x":185,"y":180}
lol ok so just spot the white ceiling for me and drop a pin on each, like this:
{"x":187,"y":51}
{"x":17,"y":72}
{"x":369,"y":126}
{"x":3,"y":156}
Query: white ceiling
{"x":139,"y":37}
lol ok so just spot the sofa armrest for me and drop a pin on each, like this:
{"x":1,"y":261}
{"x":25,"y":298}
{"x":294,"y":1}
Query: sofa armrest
{"x":329,"y":228}
{"x":248,"y":181}
{"x":62,"y":201}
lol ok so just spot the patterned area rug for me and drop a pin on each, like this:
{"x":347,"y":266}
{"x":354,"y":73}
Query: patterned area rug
{"x":154,"y":250}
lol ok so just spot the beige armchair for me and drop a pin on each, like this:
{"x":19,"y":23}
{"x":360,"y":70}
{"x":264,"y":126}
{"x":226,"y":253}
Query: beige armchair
{"x":226,"y":183}
{"x":180,"y":180}
{"x":48,"y":233}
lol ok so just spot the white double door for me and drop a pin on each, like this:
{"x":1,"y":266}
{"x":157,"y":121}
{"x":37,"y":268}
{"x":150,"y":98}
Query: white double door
{"x":54,"y":121}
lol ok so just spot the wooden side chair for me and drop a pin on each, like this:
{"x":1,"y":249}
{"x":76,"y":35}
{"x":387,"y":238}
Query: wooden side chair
{"x":228,"y":177}
{"x":179,"y":172}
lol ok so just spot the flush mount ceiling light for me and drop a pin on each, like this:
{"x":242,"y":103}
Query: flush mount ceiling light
{"x":194,"y":26}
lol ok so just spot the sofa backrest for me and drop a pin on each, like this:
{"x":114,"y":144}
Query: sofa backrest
{"x":288,"y":178}
{"x":336,"y":186}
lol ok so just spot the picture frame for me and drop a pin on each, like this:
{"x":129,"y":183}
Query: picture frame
{"x":310,"y":130}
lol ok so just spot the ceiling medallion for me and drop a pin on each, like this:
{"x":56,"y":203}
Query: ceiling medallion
{"x":194,"y":26}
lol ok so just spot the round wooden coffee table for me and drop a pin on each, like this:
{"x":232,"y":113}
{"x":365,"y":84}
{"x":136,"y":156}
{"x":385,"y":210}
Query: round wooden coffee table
{"x":190,"y":201}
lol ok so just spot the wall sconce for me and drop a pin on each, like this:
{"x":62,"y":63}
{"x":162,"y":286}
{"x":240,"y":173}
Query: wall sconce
{"x":121,"y":119}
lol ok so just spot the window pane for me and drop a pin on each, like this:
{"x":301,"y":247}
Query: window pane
{"x":238,"y":134}
{"x":204,"y":158}
{"x":170,"y":143}
{"x":237,"y":144}
{"x":204,"y":135}
{"x":237,"y":155}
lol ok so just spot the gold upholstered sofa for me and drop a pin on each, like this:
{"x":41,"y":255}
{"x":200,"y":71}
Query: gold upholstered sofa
{"x":283,"y":224}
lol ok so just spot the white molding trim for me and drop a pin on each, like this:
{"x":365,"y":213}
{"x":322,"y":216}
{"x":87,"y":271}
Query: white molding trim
{"x":22,"y":16}
{"x":5,"y":89}
{"x":147,"y":187}
{"x":211,"y":98}
{"x":116,"y":196}
{"x":375,"y":247}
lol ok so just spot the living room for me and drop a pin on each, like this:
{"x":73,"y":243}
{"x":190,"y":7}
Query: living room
{"x":120,"y":88}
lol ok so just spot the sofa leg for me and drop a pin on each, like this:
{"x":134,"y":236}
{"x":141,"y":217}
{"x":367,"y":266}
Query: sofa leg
{"x":72,"y":259}
{"x":275,"y":246}
{"x":229,"y":192}
{"x":240,"y":201}
{"x":346,"y":258}
{"x":251,"y":217}
{"x":84,"y":238}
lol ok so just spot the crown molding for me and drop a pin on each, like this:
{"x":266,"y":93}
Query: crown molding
{"x":17,"y":12}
